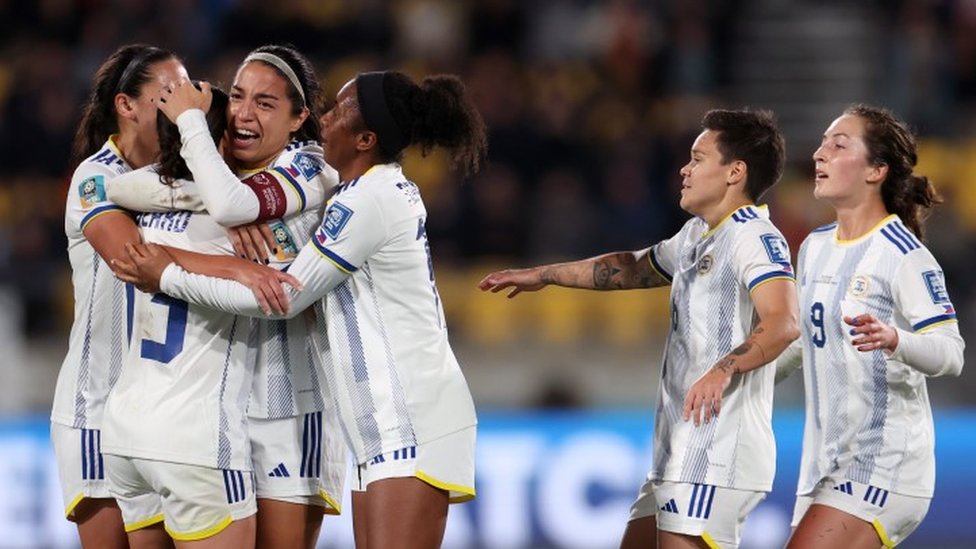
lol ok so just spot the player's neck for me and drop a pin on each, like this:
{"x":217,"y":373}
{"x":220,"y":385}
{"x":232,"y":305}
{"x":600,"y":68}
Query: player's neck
{"x":715,"y":215}
{"x":857,"y":220}
{"x":355,"y":168}
{"x":133,"y":152}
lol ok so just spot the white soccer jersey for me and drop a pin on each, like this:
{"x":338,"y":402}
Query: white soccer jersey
{"x":712,"y":273}
{"x":183,"y":392}
{"x":868,"y":417}
{"x":293,"y":185}
{"x":99,"y":335}
{"x":393,"y":376}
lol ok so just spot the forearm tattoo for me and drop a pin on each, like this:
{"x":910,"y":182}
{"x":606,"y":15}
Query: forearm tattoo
{"x":727,"y":364}
{"x":603,"y":274}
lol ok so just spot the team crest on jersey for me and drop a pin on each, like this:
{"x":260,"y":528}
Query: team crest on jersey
{"x":705,"y":264}
{"x":776,"y":248}
{"x":858,"y":286}
{"x":935,"y":282}
{"x":92,"y":191}
{"x":336,"y":218}
{"x":287,"y":250}
{"x":308,"y":165}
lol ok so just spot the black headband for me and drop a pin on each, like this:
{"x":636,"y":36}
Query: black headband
{"x":133,"y":67}
{"x":376,"y":113}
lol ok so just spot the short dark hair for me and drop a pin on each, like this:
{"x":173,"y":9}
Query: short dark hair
{"x":752,"y":137}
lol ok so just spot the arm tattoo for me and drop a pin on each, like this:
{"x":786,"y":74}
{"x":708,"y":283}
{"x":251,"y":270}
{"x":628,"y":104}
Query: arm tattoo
{"x":727,"y":365}
{"x":603,"y":273}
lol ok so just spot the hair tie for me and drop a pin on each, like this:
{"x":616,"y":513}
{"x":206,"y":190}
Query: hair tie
{"x":376,"y":113}
{"x":281,"y":65}
{"x":132,"y":68}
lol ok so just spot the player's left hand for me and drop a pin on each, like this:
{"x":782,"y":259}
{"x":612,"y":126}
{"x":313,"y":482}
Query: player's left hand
{"x":704,"y":399}
{"x":145,"y":266}
{"x":870,"y":334}
{"x":182,"y":96}
{"x":254,"y":241}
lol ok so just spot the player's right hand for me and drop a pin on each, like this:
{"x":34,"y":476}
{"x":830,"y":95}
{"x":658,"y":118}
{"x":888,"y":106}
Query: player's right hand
{"x":178,"y":98}
{"x":267,"y":286}
{"x":254,"y":241}
{"x":520,"y":280}
{"x":145,"y":266}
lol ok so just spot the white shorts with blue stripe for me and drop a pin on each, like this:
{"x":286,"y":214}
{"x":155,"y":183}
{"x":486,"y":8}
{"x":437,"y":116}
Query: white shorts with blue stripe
{"x":300,"y":459}
{"x":714,"y":513}
{"x":197,"y":502}
{"x":81,"y":468}
{"x":893,"y":516}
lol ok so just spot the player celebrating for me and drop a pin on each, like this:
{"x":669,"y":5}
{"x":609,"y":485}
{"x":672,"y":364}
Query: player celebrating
{"x":727,"y":264}
{"x":404,"y":404}
{"x":117,"y":133}
{"x":293,"y":440}
{"x":878,"y":320}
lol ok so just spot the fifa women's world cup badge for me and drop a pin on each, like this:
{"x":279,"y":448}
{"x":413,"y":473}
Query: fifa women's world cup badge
{"x":92,"y":191}
{"x":285,"y":243}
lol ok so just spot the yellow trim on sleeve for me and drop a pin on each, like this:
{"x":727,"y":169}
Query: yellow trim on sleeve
{"x":139,"y":525}
{"x":885,"y":540}
{"x":939,"y":323}
{"x":202,"y":534}
{"x":709,"y":541}
{"x":467,"y":492}
{"x":653,"y":268}
{"x":333,"y":506}
{"x":100,"y":214}
{"x":71,"y":506}
{"x":784,"y":277}
{"x":340,"y":267}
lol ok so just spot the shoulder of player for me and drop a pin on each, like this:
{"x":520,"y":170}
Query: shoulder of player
{"x":901,"y":241}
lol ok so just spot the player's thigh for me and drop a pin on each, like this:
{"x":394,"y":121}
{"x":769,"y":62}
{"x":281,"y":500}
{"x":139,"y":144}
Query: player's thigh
{"x":99,"y":524}
{"x":824,"y":527}
{"x":405,"y":512}
{"x":640,"y":533}
{"x":239,"y":534}
{"x":287,"y":525}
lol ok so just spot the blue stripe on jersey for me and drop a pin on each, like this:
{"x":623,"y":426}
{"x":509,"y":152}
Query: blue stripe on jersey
{"x":749,"y":213}
{"x":891,"y":237}
{"x":825,"y":228}
{"x":775,"y":274}
{"x":711,"y":497}
{"x":280,"y":391}
{"x":84,"y":454}
{"x":98,"y":452}
{"x":99,"y":211}
{"x":658,"y":267}
{"x":365,"y":408}
{"x":224,"y":451}
{"x":295,"y":185}
{"x":737,"y":219}
{"x":130,"y":296}
{"x":898,"y":227}
{"x":934,"y":320}
{"x":343,"y":265}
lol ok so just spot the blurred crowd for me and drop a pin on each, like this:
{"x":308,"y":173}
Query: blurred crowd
{"x":591,"y":107}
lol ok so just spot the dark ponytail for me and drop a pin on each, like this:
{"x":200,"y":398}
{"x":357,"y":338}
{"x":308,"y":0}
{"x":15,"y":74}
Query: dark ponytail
{"x":125,"y":71}
{"x":305,"y":72}
{"x":172,"y":166}
{"x":438,"y":112}
{"x":890,"y":143}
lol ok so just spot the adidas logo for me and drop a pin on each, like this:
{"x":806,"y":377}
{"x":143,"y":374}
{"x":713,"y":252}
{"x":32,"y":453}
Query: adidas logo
{"x":845,"y":488}
{"x":279,"y":471}
{"x":670,"y":507}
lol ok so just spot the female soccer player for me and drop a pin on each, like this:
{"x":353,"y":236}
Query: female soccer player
{"x":117,"y":133}
{"x":405,"y":407}
{"x":293,"y":440}
{"x":733,"y":310}
{"x":878,"y":321}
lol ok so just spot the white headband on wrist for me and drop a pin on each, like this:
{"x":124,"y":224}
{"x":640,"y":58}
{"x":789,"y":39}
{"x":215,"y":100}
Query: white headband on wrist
{"x":281,"y":65}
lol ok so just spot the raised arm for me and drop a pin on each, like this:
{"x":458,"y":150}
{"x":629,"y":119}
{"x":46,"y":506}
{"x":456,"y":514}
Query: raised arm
{"x":776,"y":305}
{"x":142,"y":191}
{"x":612,"y":271}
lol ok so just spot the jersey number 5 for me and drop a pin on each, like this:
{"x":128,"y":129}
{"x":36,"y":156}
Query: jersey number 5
{"x":172,"y":344}
{"x":817,"y":319}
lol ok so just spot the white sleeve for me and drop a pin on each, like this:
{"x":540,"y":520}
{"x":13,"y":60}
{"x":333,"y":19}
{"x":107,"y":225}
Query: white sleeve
{"x":934,"y":346}
{"x":298,"y":179}
{"x":761,"y":254}
{"x":664,"y":255}
{"x":317,"y":275}
{"x":353,"y":228}
{"x":87,"y":199}
{"x":789,"y":360}
{"x":142,"y":191}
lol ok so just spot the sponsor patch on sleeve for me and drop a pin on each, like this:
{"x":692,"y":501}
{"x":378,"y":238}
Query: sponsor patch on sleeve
{"x":776,"y":248}
{"x":271,"y":196}
{"x":287,"y":249}
{"x":336,"y":218}
{"x":309,"y":166}
{"x":935,"y":282}
{"x":92,"y":191}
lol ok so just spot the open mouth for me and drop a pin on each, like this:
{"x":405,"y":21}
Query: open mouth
{"x":243,"y":138}
{"x":819,"y":175}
